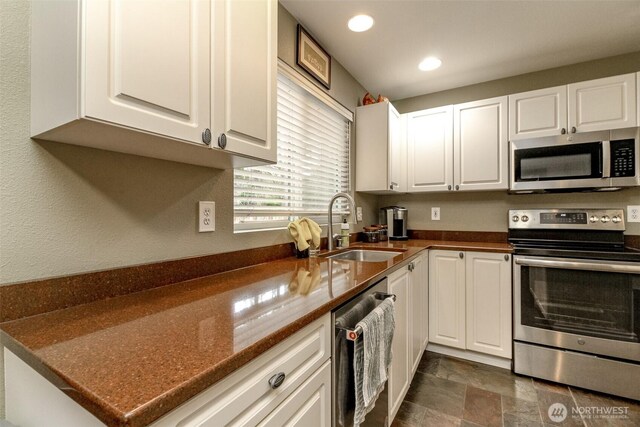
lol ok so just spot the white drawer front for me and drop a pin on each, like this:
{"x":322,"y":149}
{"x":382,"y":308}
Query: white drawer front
{"x":308,"y":406}
{"x":245,"y":397}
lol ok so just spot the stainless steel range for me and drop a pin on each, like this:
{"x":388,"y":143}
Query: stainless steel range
{"x":576,"y":299}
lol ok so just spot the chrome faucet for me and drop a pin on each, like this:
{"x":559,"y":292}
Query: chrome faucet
{"x":352,"y":208}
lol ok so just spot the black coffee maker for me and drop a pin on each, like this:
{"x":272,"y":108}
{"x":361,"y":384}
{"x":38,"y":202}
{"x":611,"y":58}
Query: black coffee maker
{"x":395,"y":217}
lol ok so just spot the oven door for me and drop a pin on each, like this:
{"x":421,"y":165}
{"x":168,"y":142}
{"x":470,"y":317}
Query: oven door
{"x":552,"y":165}
{"x":583,"y":305}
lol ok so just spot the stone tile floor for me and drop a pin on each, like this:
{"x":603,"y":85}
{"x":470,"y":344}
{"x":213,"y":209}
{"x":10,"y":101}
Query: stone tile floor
{"x":452,"y":392}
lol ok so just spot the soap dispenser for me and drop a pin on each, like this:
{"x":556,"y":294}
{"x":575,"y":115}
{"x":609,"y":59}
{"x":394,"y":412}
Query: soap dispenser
{"x":344,"y":232}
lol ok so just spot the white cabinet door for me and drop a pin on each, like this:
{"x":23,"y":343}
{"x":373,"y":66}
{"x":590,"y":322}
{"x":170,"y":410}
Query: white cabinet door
{"x":397,"y":169}
{"x":244,"y":65}
{"x":603,"y":104}
{"x":488,"y":283}
{"x":380,"y":149}
{"x":480,"y":145}
{"x":147,"y":65}
{"x":399,"y":374}
{"x":447,"y":298}
{"x":419,"y":309}
{"x":422,"y":273}
{"x":430,"y":150}
{"x":538,"y":113}
{"x":308,"y":406}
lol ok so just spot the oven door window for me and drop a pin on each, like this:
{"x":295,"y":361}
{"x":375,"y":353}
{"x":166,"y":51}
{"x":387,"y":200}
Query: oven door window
{"x":593,"y":303}
{"x":575,"y":161}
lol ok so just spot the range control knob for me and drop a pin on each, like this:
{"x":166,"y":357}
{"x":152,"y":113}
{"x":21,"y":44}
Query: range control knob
{"x":593,"y":218}
{"x":616,"y":219}
{"x":525,"y":218}
{"x":605,"y":219}
{"x":515,"y":218}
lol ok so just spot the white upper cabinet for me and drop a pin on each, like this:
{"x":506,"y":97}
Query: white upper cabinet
{"x":147,"y":67}
{"x":244,"y":67}
{"x":380,"y":151}
{"x":430,"y":149}
{"x":603,"y":104}
{"x":594,"y":105}
{"x":538,"y":113}
{"x":157,"y":79}
{"x":480,"y":145}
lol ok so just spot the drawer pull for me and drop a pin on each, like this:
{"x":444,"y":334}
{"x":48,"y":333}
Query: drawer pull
{"x":276,"y":380}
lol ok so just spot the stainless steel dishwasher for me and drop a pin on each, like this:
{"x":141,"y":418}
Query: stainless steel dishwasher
{"x":344,"y":319}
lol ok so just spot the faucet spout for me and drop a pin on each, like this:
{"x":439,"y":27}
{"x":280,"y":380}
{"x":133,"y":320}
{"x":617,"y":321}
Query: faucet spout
{"x":352,"y":209}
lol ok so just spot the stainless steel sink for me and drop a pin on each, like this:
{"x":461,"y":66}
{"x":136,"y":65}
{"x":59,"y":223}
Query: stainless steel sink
{"x":365,"y":255}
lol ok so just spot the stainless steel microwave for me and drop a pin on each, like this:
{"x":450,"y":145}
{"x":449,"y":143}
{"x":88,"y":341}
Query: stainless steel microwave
{"x":601,"y":161}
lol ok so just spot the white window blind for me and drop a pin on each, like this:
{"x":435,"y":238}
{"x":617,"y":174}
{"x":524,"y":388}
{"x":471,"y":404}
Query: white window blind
{"x":313,"y":165}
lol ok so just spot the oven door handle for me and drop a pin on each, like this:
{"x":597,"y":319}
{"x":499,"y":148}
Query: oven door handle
{"x":573,"y":265}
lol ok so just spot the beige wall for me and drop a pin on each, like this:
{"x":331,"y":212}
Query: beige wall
{"x":66,"y":209}
{"x":487,"y":211}
{"x":622,"y":64}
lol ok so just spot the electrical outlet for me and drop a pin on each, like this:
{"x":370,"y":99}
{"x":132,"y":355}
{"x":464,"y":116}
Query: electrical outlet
{"x":435,"y":214}
{"x":633,"y":213}
{"x":359,"y":213}
{"x":206,"y":217}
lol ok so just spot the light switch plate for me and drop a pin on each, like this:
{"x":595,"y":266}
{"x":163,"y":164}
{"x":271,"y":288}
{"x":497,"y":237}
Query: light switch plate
{"x":633,"y":213}
{"x":359,"y":213}
{"x":435,"y":214}
{"x":206,"y":217}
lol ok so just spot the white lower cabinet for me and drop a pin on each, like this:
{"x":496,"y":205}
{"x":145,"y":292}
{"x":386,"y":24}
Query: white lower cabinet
{"x":470,"y":301}
{"x":242,"y":398}
{"x":419,"y":309}
{"x":410,"y":287}
{"x":399,"y":378}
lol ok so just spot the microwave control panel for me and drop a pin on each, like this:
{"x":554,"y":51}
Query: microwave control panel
{"x":623,"y":158}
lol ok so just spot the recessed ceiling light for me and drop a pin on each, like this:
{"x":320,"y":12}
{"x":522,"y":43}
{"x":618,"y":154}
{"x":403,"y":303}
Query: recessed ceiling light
{"x":430,"y":63}
{"x":360,"y":23}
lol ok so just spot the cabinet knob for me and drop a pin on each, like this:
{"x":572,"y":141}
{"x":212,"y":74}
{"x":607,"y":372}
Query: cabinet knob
{"x":457,"y":187}
{"x":461,"y":255}
{"x":563,"y":131}
{"x":506,"y":257}
{"x":573,"y":129}
{"x":448,"y":187}
{"x":206,"y":136}
{"x":276,"y":380}
{"x":222,"y":141}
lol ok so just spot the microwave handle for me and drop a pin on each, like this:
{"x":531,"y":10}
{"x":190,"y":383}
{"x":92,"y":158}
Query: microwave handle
{"x":606,"y":159}
{"x":579,"y":265}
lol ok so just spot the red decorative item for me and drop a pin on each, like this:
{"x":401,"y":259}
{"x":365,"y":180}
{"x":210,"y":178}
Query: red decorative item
{"x":382,"y":98}
{"x":368,"y":99}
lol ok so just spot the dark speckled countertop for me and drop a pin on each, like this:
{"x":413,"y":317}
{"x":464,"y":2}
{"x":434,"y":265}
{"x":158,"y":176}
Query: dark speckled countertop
{"x":131,"y":359}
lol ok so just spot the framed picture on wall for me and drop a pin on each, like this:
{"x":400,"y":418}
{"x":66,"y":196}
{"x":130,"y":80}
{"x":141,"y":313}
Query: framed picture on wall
{"x":313,"y":58}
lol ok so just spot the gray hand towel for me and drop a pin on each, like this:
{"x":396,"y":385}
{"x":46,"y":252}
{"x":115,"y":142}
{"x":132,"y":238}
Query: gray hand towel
{"x":372,"y":358}
{"x":344,"y":369}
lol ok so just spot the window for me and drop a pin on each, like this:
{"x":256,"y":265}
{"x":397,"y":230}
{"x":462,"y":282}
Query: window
{"x":313,"y":162}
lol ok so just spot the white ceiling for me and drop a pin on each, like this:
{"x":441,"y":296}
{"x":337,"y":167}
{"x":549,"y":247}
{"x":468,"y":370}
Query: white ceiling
{"x":477,"y":41}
